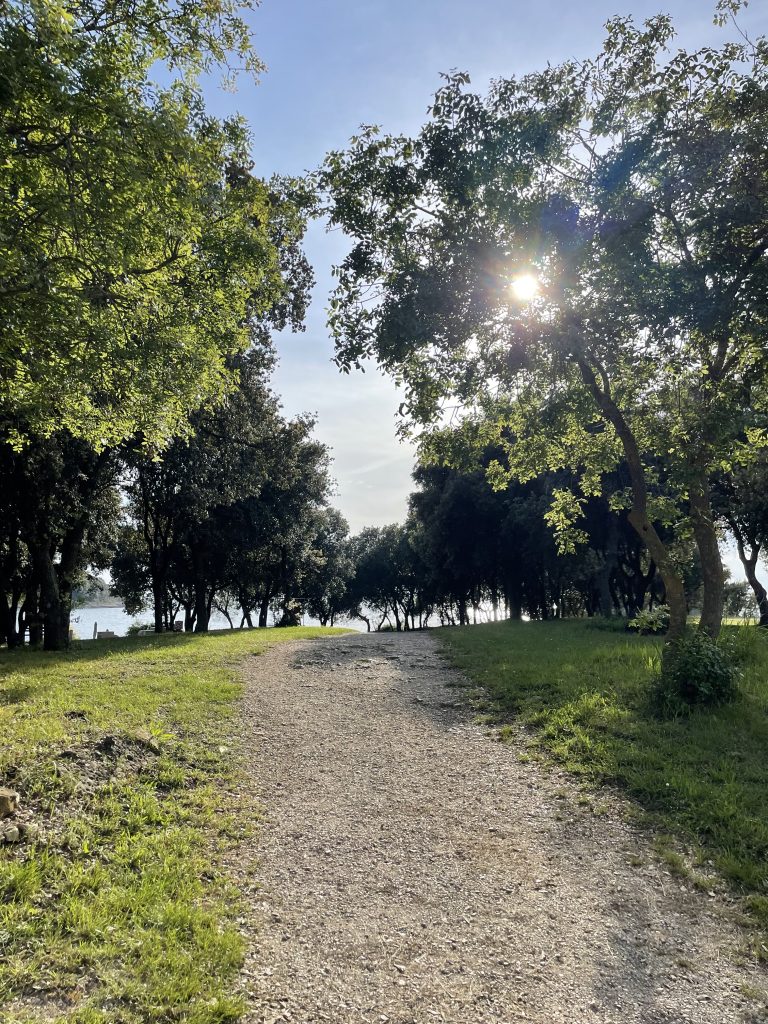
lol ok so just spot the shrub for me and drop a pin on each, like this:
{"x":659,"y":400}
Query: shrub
{"x":649,"y":621}
{"x":133,"y":629}
{"x":699,"y":672}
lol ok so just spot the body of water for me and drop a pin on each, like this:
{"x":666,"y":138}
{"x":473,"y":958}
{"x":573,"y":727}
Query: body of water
{"x":117,"y":620}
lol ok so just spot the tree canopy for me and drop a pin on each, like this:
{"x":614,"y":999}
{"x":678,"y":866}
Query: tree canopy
{"x":138,"y":251}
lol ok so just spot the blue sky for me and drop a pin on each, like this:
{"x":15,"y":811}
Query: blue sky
{"x":336,"y":64}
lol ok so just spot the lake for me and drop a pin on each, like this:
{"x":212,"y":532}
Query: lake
{"x":117,"y":620}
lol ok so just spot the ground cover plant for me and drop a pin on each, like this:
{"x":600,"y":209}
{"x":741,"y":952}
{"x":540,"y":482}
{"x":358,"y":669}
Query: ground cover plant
{"x":113,"y":909}
{"x":586,"y":695}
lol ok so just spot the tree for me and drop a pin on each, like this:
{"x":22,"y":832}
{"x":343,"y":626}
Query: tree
{"x":377,"y":583}
{"x":741,"y":500}
{"x":137,"y":250}
{"x":230,"y":510}
{"x":61,"y":511}
{"x":632,"y":188}
{"x":329,"y":567}
{"x":458,"y":540}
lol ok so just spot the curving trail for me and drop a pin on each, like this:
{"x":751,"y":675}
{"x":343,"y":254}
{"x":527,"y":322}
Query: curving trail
{"x":410,"y":870}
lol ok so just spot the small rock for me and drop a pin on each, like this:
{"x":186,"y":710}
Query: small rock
{"x":9,"y":802}
{"x":11,"y":834}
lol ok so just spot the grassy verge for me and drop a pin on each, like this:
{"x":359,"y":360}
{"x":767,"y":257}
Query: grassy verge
{"x":582,"y":692}
{"x":112,"y":908}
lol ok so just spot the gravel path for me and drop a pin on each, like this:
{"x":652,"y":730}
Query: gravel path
{"x":410,"y":870}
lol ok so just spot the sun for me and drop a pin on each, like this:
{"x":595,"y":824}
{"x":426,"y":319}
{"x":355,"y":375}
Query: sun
{"x":525,"y":287}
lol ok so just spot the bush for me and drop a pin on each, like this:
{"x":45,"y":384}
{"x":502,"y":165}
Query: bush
{"x":133,"y":629}
{"x":649,"y":621}
{"x":699,"y":672}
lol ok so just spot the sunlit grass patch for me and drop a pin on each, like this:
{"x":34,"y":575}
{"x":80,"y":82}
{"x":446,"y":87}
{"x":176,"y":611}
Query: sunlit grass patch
{"x":116,"y":911}
{"x":583,"y":694}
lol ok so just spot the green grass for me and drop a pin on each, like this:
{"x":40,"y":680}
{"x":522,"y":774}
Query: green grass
{"x":583,"y":694}
{"x":115,"y":911}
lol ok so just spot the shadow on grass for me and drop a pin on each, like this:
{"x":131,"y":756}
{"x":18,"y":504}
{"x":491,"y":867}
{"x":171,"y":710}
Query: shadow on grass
{"x":15,"y":695}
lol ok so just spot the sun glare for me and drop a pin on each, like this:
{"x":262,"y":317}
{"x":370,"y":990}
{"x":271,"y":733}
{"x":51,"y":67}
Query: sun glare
{"x":525,"y":287}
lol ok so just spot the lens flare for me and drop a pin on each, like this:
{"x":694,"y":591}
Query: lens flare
{"x":525,"y":287}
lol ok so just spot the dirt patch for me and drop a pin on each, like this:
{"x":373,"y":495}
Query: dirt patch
{"x":411,"y":870}
{"x":59,"y":786}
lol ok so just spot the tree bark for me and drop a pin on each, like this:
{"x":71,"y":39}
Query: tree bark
{"x":29,"y":615}
{"x":749,"y":561}
{"x":158,"y":600}
{"x":712,"y":573}
{"x":638,"y":514}
{"x":264,"y":608}
{"x":9,"y":622}
{"x":202,"y":614}
{"x":606,"y":604}
{"x":55,"y":607}
{"x":514,"y":600}
{"x":189,"y":618}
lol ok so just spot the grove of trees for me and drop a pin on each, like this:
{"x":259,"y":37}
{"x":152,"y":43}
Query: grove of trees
{"x":140,"y":258}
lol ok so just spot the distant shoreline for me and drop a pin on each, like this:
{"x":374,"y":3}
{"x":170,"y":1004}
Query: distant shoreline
{"x":117,"y":603}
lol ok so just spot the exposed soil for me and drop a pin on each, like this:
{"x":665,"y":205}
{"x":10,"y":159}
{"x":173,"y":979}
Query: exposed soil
{"x":411,"y":870}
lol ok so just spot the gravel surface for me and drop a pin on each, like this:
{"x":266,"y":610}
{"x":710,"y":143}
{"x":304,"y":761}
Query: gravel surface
{"x":410,"y":870}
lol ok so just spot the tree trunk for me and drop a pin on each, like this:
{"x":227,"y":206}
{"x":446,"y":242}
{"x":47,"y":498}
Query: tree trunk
{"x":8,"y":622}
{"x":29,"y":615}
{"x":712,"y":573}
{"x":224,"y":610}
{"x":750,"y":564}
{"x":264,"y":608}
{"x":54,"y":606}
{"x":606,"y":603}
{"x":514,"y":601}
{"x":202,"y":612}
{"x":158,"y":601}
{"x":638,"y":514}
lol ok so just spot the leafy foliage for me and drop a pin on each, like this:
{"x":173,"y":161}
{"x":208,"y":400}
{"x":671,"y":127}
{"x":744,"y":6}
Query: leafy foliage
{"x":137,"y":250}
{"x":700,"y":672}
{"x":233,"y":510}
{"x":650,"y":621}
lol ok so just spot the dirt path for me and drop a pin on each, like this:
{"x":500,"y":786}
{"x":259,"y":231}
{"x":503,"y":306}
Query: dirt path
{"x":410,"y":870}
